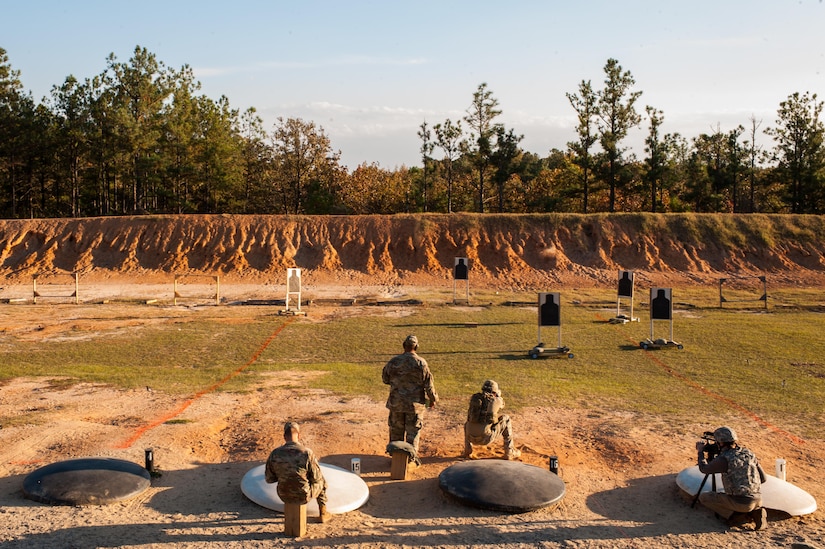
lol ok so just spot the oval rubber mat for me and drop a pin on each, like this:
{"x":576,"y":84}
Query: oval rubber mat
{"x":500,"y":485}
{"x":86,"y":481}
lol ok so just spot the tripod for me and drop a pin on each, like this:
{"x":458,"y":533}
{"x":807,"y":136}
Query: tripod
{"x":711,"y":449}
{"x":702,"y":485}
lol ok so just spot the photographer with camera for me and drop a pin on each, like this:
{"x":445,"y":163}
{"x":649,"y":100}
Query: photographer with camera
{"x":742,"y":476}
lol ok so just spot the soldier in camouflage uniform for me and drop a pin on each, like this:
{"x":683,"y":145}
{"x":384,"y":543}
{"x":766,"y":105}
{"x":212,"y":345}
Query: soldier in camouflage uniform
{"x":742,"y":477}
{"x":485,"y":422}
{"x":294,"y":467}
{"x":411,"y":384}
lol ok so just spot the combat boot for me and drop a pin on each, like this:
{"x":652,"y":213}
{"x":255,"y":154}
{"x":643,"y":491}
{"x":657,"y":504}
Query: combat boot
{"x":323,"y":514}
{"x":760,"y":518}
{"x":738,"y":519}
{"x":510,"y":450}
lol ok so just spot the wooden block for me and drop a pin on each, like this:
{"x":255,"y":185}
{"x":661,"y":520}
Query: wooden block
{"x":295,"y":520}
{"x":398,"y":470}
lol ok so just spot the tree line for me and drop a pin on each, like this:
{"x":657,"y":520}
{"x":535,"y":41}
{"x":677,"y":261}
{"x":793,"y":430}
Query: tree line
{"x":141,"y":138}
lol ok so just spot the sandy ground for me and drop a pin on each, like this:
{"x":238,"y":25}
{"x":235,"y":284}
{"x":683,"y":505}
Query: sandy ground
{"x":619,"y":469}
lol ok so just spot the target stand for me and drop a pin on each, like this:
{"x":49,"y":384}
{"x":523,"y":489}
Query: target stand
{"x":623,"y":319}
{"x":625,"y":290}
{"x":461,"y":271}
{"x":549,"y":315}
{"x":60,"y":286}
{"x":661,"y":308}
{"x":650,"y":344}
{"x":293,"y":289}
{"x":540,"y":351}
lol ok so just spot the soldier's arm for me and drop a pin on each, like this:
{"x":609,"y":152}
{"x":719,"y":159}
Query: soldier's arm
{"x":385,"y":373}
{"x":429,"y":385}
{"x":270,"y":475}
{"x":432,"y":395}
{"x":718,"y":465}
{"x":314,"y":473}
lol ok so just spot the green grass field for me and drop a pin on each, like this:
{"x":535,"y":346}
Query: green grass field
{"x":767,"y":363}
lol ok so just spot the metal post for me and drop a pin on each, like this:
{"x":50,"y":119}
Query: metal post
{"x":765,"y":290}
{"x":721,"y":299}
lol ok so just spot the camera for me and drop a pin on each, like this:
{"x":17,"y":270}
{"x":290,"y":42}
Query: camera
{"x":711,"y":448}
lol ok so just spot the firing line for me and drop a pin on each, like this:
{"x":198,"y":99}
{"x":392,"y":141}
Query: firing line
{"x":723,"y":399}
{"x":189,"y":401}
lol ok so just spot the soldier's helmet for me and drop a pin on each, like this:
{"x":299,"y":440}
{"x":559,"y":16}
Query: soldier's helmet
{"x":490,"y":386}
{"x":724,"y":434}
{"x":411,"y":342}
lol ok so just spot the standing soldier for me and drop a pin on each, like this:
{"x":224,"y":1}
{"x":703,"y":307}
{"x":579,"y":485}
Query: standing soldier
{"x":411,"y":384}
{"x":294,"y":467}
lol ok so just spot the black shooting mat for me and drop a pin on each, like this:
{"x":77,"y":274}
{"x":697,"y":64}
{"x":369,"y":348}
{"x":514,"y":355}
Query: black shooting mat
{"x":500,"y":485}
{"x":86,"y":481}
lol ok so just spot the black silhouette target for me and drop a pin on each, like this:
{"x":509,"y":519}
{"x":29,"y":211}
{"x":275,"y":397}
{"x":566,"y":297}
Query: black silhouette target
{"x":661,"y":304}
{"x":461,"y":270}
{"x":626,"y":284}
{"x":549,"y":309}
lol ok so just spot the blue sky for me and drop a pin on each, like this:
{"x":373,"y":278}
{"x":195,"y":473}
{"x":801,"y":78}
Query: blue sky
{"x":370,"y":72}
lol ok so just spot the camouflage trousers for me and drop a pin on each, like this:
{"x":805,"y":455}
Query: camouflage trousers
{"x":724,"y":505}
{"x":484,"y":435}
{"x":317,"y":491}
{"x":406,"y":426}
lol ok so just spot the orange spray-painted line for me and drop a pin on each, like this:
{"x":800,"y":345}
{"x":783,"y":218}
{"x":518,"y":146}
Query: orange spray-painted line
{"x":188,"y":402}
{"x":733,"y":404}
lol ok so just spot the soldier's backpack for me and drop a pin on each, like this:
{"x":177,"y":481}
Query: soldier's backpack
{"x":483,"y":408}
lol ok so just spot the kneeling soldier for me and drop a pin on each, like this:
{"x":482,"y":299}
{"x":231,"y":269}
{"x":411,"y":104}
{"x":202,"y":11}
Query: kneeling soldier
{"x":485,"y":423}
{"x":742,"y":477}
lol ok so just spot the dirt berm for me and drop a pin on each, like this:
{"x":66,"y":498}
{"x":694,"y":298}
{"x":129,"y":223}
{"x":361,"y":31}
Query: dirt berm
{"x":521,"y":251}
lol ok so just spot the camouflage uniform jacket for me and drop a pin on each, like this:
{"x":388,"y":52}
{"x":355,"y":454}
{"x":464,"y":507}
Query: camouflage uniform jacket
{"x":294,"y":467}
{"x":410,"y":381}
{"x":484,"y":411}
{"x":742,"y":477}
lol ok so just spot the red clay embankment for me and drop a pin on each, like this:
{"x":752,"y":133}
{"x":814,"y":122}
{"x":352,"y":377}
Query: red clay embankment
{"x":519,"y":250}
